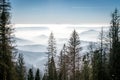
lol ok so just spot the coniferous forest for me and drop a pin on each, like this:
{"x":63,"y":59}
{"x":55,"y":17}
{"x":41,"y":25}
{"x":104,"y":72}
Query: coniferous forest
{"x":101,"y":62}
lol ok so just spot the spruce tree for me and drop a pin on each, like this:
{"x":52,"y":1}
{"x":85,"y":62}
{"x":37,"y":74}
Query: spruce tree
{"x":37,"y":75}
{"x":51,"y":46}
{"x":63,"y":64}
{"x":85,"y":69}
{"x":60,"y":64}
{"x":7,"y":68}
{"x":30,"y":74}
{"x":103,"y":53}
{"x":96,"y":65}
{"x":52,"y":70}
{"x":52,"y":73}
{"x":101,"y":57}
{"x":115,"y":46}
{"x":20,"y":68}
{"x":74,"y":54}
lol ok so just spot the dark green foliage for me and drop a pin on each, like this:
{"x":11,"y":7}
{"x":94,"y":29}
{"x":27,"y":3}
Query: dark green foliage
{"x":97,"y":65}
{"x":104,"y":58}
{"x":20,"y":68}
{"x":30,"y":74}
{"x":51,"y":66}
{"x":37,"y":75}
{"x":115,"y":46}
{"x":7,"y":68}
{"x":52,"y":70}
{"x":45,"y":77}
{"x":69,"y":60}
{"x":74,"y":54}
{"x":78,"y":75}
{"x":85,"y":73}
{"x":62,"y":73}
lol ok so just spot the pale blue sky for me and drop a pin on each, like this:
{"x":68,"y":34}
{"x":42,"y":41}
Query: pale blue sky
{"x":63,"y":11}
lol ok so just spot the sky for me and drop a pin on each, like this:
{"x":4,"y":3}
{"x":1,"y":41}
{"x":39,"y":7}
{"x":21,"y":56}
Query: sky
{"x":63,"y":11}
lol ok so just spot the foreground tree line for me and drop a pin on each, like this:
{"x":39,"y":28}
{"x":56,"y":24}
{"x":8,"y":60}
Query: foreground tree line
{"x":101,"y":62}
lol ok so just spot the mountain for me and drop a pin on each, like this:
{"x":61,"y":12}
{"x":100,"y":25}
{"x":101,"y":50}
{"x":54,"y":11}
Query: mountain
{"x":33,"y":48}
{"x":91,"y":31}
{"x":20,"y":41}
{"x":38,"y":58}
{"x":43,"y":36}
{"x":90,"y":35}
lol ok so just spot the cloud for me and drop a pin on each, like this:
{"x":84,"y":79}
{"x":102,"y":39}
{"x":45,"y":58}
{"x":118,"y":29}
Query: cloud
{"x":31,"y":28}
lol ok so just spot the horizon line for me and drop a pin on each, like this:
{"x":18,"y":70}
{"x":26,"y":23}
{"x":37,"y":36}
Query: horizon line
{"x":61,"y":25}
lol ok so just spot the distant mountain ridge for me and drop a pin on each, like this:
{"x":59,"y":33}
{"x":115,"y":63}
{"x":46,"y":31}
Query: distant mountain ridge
{"x":35,"y":52}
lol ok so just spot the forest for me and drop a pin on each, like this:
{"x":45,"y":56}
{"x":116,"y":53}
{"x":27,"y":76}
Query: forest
{"x":101,"y":62}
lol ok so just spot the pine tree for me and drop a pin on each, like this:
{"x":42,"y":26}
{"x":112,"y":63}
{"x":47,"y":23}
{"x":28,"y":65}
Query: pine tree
{"x":51,"y":46}
{"x":30,"y":74}
{"x":63,"y":64}
{"x":101,"y":57}
{"x":20,"y":68}
{"x":91,"y":50}
{"x":52,"y":74}
{"x":103,"y":54}
{"x":45,"y":76}
{"x":74,"y":54}
{"x":52,"y":70}
{"x":95,"y":65}
{"x":7,"y":68}
{"x":60,"y":64}
{"x":115,"y":46}
{"x":37,"y":75}
{"x":85,"y":69}
{"x":98,"y":59}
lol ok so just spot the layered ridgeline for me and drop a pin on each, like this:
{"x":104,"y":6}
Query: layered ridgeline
{"x":35,"y":50}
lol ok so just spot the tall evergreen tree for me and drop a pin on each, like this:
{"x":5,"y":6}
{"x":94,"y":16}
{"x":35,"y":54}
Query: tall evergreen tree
{"x":74,"y":54}
{"x":96,"y":65}
{"x":52,"y":70}
{"x":85,"y":69}
{"x":115,"y":46}
{"x":20,"y":68}
{"x":60,"y":64}
{"x":98,"y":59}
{"x":7,"y":68}
{"x":91,"y":51}
{"x":52,"y":74}
{"x":30,"y":74}
{"x":51,"y":46}
{"x":37,"y":75}
{"x":103,"y":54}
{"x":101,"y":57}
{"x":63,"y":64}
